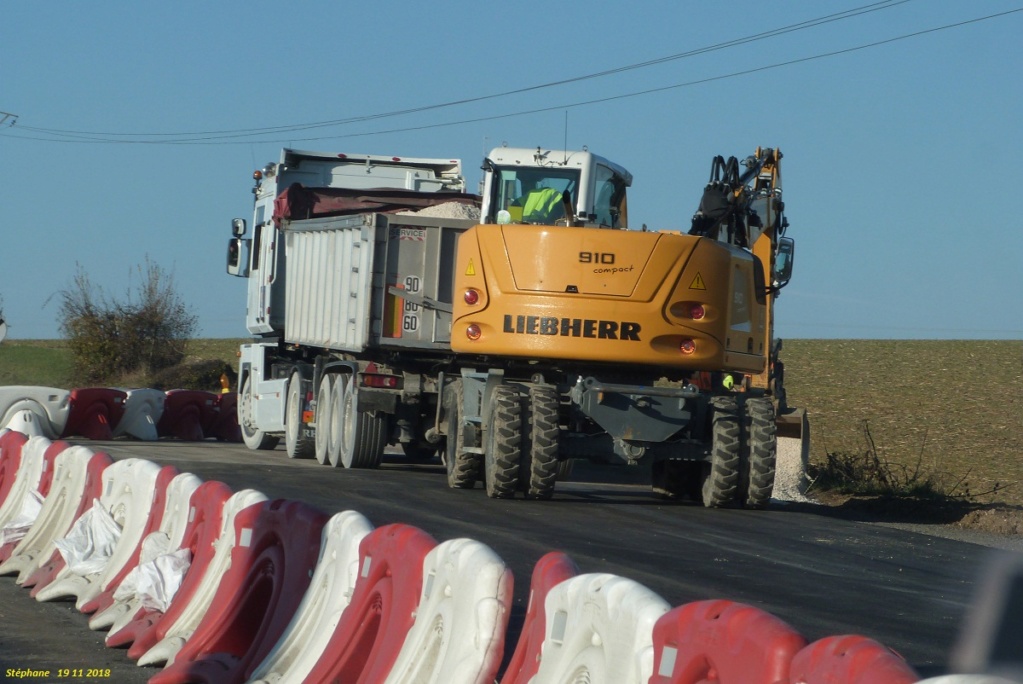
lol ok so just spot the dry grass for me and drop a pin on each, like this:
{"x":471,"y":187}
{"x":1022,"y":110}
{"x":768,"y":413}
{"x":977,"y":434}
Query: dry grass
{"x":953,"y":407}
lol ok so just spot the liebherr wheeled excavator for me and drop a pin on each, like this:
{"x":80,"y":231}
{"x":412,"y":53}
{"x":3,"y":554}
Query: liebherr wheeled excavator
{"x":596,"y":341}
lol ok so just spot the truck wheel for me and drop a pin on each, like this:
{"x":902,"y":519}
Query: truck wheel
{"x":365,"y":434}
{"x":503,"y":451}
{"x":463,"y":468}
{"x":722,"y":480}
{"x":253,"y":437}
{"x":540,"y":467}
{"x":336,"y":431}
{"x":298,"y":445}
{"x":762,"y":445}
{"x":323,"y":396}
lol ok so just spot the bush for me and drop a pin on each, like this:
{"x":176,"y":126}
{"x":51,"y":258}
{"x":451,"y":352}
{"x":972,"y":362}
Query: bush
{"x":108,"y":338}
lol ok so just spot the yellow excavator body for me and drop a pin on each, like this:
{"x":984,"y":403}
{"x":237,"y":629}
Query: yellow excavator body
{"x":629,"y":297}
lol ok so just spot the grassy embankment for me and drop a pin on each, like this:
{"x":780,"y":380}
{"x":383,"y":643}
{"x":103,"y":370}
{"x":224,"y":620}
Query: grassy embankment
{"x":946,"y":411}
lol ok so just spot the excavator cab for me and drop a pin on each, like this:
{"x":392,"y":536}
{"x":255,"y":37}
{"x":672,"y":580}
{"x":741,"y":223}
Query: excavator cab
{"x":554,"y":188}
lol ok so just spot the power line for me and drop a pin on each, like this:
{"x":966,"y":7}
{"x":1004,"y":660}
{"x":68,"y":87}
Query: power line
{"x":224,"y":139}
{"x":810,"y":23}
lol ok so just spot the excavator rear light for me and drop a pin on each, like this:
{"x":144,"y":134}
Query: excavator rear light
{"x":697,"y":312}
{"x":687,"y":346}
{"x":471,"y":296}
{"x":473,"y":332}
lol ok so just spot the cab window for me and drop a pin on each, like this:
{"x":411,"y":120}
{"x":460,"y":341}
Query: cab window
{"x":608,"y":199}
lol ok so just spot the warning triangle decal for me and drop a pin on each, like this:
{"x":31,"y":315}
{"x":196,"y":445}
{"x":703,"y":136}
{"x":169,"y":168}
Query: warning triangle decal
{"x":470,"y":270}
{"x":697,"y":283}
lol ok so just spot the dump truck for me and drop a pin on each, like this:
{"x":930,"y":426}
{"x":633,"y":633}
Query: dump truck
{"x":510,"y":342}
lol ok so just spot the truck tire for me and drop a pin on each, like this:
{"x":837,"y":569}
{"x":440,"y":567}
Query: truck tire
{"x":463,"y":468}
{"x":336,"y":431}
{"x":762,"y":451}
{"x":540,"y":466}
{"x":298,"y":445}
{"x":503,"y":451}
{"x":365,"y":434}
{"x":721,"y":483}
{"x":323,"y":397}
{"x":253,"y":437}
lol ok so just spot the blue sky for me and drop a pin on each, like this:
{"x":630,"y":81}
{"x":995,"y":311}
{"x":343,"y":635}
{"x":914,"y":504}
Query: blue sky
{"x":899,"y":169}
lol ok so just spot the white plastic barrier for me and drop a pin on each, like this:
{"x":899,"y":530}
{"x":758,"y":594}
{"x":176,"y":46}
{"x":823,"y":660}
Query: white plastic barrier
{"x":58,"y":513}
{"x":27,"y":479}
{"x":29,"y":423}
{"x":128,"y":490}
{"x":142,"y":411}
{"x":48,"y":405}
{"x":184,"y":626}
{"x":459,"y":629}
{"x":317,"y":616}
{"x":175,"y":519}
{"x":600,"y":630}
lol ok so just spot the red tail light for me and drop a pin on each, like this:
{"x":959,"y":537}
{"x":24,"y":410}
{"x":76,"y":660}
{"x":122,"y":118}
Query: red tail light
{"x":471,"y":297}
{"x":687,"y":346}
{"x":697,"y":312}
{"x":473,"y":332}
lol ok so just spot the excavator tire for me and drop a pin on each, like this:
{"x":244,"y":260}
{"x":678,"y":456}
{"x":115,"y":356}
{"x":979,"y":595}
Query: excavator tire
{"x":463,"y":468}
{"x":540,"y":466}
{"x":503,"y":450}
{"x":722,"y":481}
{"x":298,"y":445}
{"x":762,"y":446}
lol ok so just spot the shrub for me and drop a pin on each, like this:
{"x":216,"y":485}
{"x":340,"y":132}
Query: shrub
{"x":109,"y":338}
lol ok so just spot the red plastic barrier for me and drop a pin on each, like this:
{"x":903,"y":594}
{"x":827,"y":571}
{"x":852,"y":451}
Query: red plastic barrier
{"x":91,"y":491}
{"x":10,"y":460}
{"x":144,"y":631}
{"x":105,"y":599}
{"x":550,"y":571}
{"x":185,"y":412}
{"x":372,"y":629}
{"x":723,"y":641}
{"x":850,"y":659}
{"x":224,"y":422}
{"x":45,"y":478}
{"x":93,"y":412}
{"x":271,"y":567}
{"x":49,"y":459}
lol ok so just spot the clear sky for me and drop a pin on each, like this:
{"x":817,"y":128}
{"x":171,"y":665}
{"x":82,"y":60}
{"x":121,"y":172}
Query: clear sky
{"x":138,"y":126}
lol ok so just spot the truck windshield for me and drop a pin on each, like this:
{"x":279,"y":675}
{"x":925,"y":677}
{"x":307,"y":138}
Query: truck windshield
{"x":534,"y":195}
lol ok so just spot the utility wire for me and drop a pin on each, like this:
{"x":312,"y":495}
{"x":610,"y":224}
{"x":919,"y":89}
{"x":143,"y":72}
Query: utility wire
{"x":810,"y":23}
{"x":224,"y":139}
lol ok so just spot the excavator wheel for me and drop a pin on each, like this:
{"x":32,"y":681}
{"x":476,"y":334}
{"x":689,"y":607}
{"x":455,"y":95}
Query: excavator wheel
{"x":540,"y":467}
{"x":762,"y":450}
{"x":722,"y":481}
{"x":503,"y":450}
{"x":463,"y":468}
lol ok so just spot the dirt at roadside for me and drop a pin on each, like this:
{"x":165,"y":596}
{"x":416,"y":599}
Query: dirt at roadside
{"x":986,"y":518}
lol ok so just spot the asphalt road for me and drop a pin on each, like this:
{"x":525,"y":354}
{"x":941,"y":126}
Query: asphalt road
{"x":823,"y":575}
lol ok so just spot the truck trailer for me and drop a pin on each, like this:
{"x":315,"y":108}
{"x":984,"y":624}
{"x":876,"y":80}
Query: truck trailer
{"x":514,"y":331}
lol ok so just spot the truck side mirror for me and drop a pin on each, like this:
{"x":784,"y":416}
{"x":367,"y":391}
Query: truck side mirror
{"x":783,"y":261}
{"x":238,"y":256}
{"x":238,"y":227}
